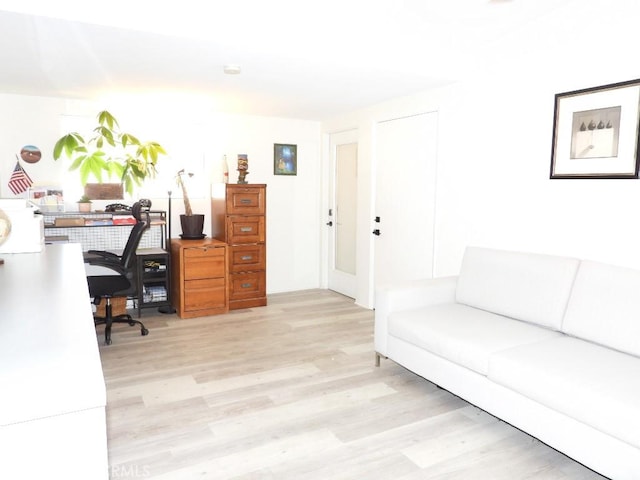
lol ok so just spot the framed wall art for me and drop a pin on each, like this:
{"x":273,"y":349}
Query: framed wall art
{"x":595,"y":132}
{"x":285,"y":159}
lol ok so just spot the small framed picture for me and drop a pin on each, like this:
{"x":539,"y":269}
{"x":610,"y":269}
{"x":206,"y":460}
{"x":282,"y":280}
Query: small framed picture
{"x":595,"y":132}
{"x":285,"y":159}
{"x":48,"y":198}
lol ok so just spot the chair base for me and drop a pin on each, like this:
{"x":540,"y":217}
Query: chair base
{"x":125,"y":318}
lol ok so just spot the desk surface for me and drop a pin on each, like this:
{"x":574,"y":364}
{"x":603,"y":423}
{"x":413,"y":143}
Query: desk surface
{"x":49,"y":359}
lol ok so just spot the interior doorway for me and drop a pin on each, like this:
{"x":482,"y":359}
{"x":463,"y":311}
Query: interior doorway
{"x":342,"y":214}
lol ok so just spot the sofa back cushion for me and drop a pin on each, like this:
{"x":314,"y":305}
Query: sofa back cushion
{"x":530,"y":287}
{"x":604,"y":306}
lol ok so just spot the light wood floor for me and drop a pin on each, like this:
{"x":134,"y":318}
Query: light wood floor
{"x":290,"y":391}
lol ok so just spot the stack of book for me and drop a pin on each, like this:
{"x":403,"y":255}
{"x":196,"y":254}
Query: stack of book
{"x":153,"y":266}
{"x":97,"y":221}
{"x":154,"y":294}
{"x":123,"y":219}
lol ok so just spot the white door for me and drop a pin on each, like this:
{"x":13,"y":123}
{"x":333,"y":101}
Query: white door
{"x":405,"y":198}
{"x":341,"y":217}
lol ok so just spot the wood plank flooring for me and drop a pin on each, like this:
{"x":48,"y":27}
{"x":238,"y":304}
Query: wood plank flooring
{"x":290,"y":391}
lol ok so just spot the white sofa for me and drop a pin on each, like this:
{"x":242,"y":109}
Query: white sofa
{"x":549,"y":344}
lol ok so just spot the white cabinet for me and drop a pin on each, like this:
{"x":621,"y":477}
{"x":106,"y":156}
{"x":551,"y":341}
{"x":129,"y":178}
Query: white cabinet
{"x":52,"y":406}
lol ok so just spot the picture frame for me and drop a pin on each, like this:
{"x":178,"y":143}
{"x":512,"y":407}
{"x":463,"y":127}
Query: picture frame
{"x":595,"y":132}
{"x":285,"y":159}
{"x":48,"y":198}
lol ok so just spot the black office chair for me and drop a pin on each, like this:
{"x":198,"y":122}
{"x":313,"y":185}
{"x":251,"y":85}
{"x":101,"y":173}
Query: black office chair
{"x":124,"y":282}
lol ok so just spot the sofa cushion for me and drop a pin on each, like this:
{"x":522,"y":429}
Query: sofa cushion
{"x":604,"y":306}
{"x":531,"y":287}
{"x":585,"y":381}
{"x":464,"y":335}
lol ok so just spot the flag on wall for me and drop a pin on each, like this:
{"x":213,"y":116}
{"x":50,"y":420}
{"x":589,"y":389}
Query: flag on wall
{"x":19,"y":181}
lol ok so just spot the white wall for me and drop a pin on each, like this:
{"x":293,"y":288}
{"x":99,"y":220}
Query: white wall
{"x":293,"y":202}
{"x":196,"y":139}
{"x":494,"y":147}
{"x":29,"y":121}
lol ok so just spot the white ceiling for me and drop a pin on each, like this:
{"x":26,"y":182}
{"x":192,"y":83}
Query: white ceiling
{"x":299,"y":59}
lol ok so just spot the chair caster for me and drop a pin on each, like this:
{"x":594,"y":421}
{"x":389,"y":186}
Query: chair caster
{"x":144,"y":331}
{"x":132,"y":323}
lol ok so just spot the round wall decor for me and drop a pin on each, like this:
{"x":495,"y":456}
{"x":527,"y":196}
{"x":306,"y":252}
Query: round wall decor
{"x":30,"y":154}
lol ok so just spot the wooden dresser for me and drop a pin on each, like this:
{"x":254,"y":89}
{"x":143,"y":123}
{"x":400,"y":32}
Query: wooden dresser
{"x":238,"y":213}
{"x":199,"y":277}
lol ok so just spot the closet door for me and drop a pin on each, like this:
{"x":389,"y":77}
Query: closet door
{"x":405,"y":198}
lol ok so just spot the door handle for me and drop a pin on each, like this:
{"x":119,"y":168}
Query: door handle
{"x":376,"y":232}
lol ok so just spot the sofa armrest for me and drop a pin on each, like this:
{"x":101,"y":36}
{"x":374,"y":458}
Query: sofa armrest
{"x":408,"y":296}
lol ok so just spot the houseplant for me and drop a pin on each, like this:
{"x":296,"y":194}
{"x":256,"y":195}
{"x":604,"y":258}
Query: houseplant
{"x":192,"y":224}
{"x":84,"y":204}
{"x":111,"y":153}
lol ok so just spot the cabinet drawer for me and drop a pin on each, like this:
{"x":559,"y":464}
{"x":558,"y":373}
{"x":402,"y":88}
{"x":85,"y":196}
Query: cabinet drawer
{"x":245,"y":200}
{"x":245,"y":258}
{"x":246,"y":285}
{"x":204,"y":262}
{"x":204,"y":294}
{"x":245,"y":229}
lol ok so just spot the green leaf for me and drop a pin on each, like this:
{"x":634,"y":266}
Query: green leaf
{"x":128,"y":139}
{"x":57,"y":148}
{"x":115,"y":169}
{"x":103,"y":133}
{"x":67,"y":144}
{"x":104,"y":117}
{"x":92,"y":165}
{"x":77,"y":162}
{"x":129,"y":184}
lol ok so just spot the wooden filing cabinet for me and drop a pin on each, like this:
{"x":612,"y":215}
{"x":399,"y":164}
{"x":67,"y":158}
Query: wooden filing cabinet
{"x":199,"y":277}
{"x":238,"y":213}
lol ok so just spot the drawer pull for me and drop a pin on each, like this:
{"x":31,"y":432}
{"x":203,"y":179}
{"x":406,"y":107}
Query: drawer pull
{"x":246,"y":285}
{"x":246,"y":257}
{"x":246,"y":229}
{"x":245,"y":200}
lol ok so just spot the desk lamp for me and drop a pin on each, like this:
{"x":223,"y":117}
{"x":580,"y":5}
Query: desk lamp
{"x":167,"y":245}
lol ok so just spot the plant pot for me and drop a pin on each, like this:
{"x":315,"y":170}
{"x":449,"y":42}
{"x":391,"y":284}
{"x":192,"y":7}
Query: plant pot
{"x":84,"y":207}
{"x":192,"y":226}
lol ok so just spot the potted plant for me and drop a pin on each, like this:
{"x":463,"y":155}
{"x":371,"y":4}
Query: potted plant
{"x":84,"y":204}
{"x":192,"y":224}
{"x":110,"y":152}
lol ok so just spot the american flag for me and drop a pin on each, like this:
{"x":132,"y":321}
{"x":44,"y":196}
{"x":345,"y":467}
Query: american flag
{"x":19,"y":181}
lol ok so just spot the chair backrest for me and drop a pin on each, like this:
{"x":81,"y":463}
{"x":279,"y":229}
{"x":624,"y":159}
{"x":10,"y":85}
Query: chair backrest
{"x":140,"y":211}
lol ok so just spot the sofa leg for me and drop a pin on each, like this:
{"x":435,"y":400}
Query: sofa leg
{"x":378,"y":357}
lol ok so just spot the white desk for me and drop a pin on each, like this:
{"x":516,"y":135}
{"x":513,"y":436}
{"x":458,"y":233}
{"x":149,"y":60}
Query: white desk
{"x":52,"y":391}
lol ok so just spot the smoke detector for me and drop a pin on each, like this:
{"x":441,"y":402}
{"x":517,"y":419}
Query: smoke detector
{"x":231,"y":69}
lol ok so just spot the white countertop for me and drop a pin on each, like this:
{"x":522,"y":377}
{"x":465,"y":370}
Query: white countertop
{"x":49,"y":359}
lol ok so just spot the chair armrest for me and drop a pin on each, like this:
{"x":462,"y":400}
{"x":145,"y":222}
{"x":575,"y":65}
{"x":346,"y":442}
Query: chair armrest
{"x":110,"y":264}
{"x":104,"y":254}
{"x":408,"y":296}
